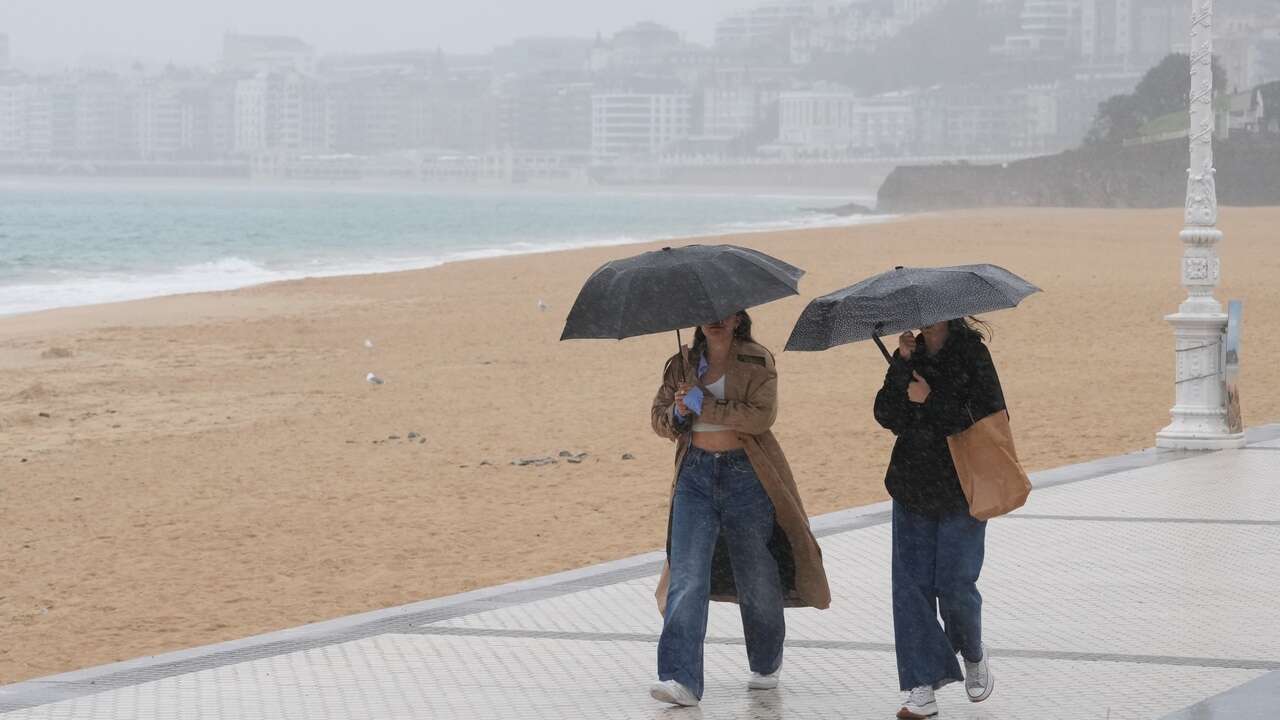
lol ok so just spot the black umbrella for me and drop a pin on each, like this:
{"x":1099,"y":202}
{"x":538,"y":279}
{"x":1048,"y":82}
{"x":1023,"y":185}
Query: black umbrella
{"x":904,"y":299}
{"x":676,"y":288}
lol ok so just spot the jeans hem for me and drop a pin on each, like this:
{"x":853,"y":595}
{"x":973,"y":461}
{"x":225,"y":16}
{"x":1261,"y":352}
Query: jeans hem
{"x":936,"y":685}
{"x":697,"y":692}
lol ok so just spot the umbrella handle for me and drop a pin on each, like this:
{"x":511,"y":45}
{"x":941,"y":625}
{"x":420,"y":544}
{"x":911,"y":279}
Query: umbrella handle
{"x":888,"y":357}
{"x":680,"y":349}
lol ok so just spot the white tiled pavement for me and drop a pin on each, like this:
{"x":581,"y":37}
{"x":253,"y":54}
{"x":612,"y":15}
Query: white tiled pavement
{"x":1130,"y":595}
{"x":495,"y":678}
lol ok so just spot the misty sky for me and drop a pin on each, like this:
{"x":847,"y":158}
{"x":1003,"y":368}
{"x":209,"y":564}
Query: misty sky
{"x":190,"y":32}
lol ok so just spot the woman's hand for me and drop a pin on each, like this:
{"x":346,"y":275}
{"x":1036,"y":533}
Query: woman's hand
{"x":918,"y":390}
{"x":680,"y":393}
{"x":906,"y":345}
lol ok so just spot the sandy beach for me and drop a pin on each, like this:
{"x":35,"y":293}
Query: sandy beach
{"x":191,"y":469}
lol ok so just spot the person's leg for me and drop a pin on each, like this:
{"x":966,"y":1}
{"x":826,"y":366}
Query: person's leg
{"x":961,"y":549}
{"x":747,"y":519}
{"x":924,"y":653}
{"x":694,"y":529}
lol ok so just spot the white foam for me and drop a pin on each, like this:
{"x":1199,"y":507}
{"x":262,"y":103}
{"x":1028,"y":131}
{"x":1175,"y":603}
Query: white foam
{"x":234,"y":272}
{"x":224,"y":274}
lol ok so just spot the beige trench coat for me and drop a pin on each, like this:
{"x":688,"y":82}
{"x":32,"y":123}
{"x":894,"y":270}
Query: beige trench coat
{"x":750,"y":407}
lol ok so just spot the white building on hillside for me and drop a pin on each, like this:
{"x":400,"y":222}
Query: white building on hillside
{"x":1047,"y":29}
{"x":855,"y":27}
{"x":769,"y":22}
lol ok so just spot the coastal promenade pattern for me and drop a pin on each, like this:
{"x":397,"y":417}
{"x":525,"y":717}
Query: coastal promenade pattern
{"x":1140,"y":586}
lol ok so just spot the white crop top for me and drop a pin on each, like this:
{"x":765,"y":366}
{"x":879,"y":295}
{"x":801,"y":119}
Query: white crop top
{"x":717,"y":389}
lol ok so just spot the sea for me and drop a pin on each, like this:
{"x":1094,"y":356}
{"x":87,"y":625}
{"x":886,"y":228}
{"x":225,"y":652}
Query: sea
{"x":67,"y":244}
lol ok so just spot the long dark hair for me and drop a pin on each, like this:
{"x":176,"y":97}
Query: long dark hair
{"x":742,"y":333}
{"x":970,"y":328}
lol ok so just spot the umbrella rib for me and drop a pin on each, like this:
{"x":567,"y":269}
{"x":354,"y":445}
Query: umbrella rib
{"x":1000,"y":291}
{"x":915,"y":293}
{"x":705,"y":292}
{"x":626,"y":297}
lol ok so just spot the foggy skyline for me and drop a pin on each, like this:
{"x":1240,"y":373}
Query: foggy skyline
{"x":65,"y":31}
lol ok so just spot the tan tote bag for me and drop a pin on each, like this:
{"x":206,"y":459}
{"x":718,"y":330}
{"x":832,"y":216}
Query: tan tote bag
{"x":993,"y":480}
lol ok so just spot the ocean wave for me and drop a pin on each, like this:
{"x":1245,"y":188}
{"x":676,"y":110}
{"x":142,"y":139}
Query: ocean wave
{"x":234,"y":272}
{"x":72,"y":290}
{"x":807,"y":222}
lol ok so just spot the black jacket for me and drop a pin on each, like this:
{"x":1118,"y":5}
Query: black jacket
{"x":964,"y":388}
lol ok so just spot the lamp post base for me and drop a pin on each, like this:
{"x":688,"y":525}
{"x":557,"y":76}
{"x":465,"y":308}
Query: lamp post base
{"x":1199,"y":429}
{"x":1175,"y":440}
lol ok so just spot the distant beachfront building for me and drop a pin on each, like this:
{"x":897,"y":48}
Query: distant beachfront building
{"x":456,"y":112}
{"x":730,"y":112}
{"x":538,"y":114}
{"x":637,"y":125}
{"x":960,"y":120}
{"x":103,"y":117}
{"x":831,"y":119}
{"x":385,"y":102}
{"x":84,"y":117}
{"x":739,"y":100}
{"x":5,"y":60}
{"x":282,"y":111}
{"x":265,"y":53}
{"x":26,"y":117}
{"x":185,"y":115}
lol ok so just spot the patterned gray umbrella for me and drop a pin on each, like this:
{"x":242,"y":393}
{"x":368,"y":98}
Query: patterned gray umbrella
{"x":905,"y":299}
{"x":676,"y":288}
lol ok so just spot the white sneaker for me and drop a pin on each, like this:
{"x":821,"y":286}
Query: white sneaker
{"x":670,"y":691}
{"x":764,"y":682}
{"x":919,"y":704}
{"x":978,"y":680}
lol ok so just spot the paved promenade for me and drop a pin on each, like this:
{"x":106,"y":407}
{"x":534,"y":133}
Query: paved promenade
{"x":1141,"y":586}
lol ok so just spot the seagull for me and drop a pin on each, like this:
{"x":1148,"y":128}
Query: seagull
{"x":373,"y":379}
{"x":541,"y":305}
{"x":368,"y":344}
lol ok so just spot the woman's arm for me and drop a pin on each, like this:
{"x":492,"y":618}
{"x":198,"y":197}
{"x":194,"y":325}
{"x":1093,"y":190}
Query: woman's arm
{"x":753,"y":416}
{"x":663,"y":412}
{"x":964,"y":400}
{"x":893,"y":410}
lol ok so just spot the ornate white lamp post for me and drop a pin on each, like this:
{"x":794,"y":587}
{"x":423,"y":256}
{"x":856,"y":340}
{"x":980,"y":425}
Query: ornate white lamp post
{"x":1200,"y":420}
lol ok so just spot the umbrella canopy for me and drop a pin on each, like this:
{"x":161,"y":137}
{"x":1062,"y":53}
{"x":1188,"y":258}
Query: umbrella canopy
{"x":905,"y":299}
{"x":676,"y":288}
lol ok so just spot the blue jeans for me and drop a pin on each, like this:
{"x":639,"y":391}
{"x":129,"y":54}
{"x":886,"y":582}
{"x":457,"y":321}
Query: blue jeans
{"x":936,"y":562}
{"x":718,"y":494}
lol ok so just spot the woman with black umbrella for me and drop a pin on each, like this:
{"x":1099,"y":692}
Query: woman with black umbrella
{"x":737,"y":530}
{"x":937,"y":384}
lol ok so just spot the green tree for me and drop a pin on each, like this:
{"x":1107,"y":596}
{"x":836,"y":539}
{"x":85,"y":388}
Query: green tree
{"x":1164,"y":89}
